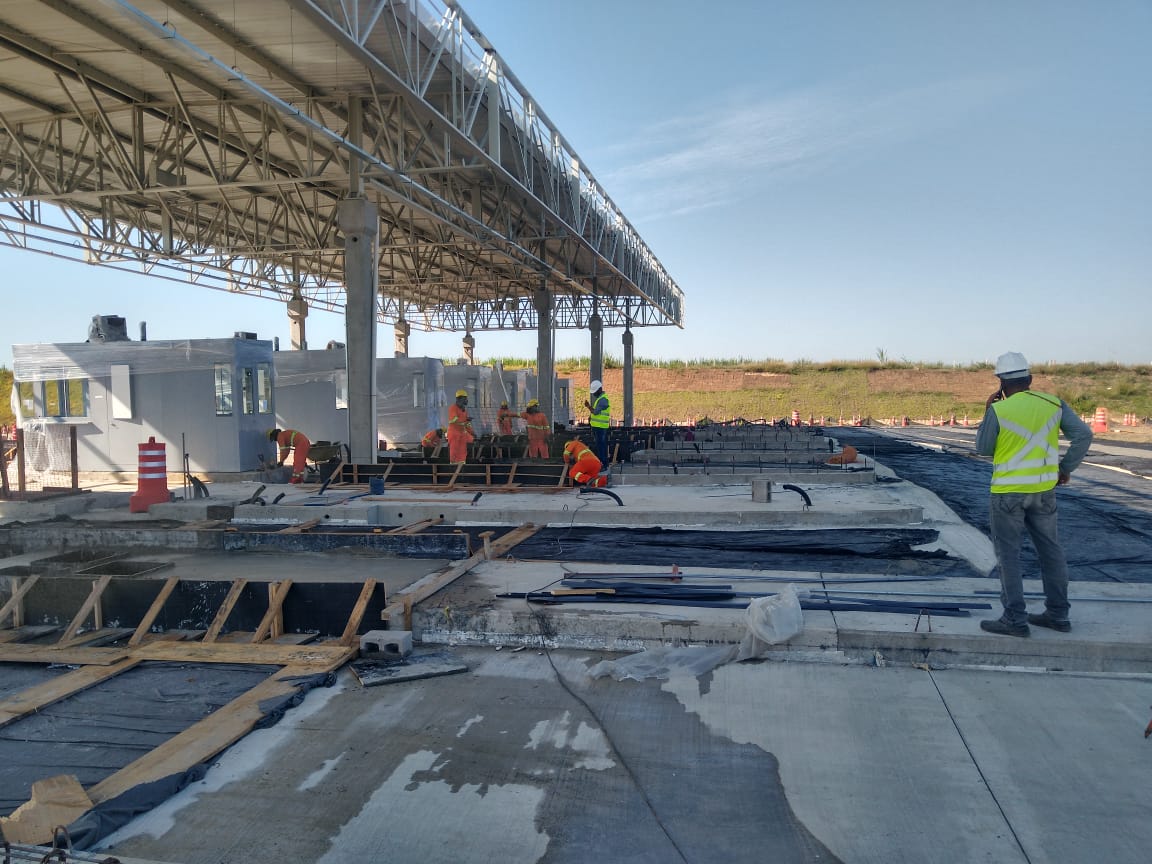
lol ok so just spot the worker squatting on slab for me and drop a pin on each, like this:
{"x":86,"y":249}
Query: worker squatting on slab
{"x":296,"y":442}
{"x":586,"y":467}
{"x":431,"y":443}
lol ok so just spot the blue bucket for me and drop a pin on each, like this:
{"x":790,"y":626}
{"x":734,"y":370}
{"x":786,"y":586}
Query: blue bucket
{"x":376,"y":485}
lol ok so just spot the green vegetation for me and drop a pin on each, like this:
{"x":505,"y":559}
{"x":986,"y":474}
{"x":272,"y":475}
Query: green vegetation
{"x":7,"y":418}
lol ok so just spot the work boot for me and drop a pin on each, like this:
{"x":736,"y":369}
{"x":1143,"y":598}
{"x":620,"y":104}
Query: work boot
{"x":1044,"y":619}
{"x":1003,"y":628}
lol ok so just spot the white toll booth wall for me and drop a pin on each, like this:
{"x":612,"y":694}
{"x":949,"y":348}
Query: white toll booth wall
{"x":312,"y":393}
{"x":214,"y":394}
{"x":411,"y":398}
{"x":478,"y":382}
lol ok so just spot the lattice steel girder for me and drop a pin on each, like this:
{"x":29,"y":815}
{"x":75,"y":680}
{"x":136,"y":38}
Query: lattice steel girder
{"x":480,"y":199}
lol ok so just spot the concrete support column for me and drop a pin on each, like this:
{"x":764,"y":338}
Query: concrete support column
{"x":628,"y":364}
{"x":297,"y":312}
{"x":469,"y":343}
{"x":402,"y":330}
{"x":596,"y":353}
{"x":361,"y":228}
{"x":545,"y":372}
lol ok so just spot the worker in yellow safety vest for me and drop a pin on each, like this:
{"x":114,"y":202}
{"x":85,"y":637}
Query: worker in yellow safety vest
{"x":1021,"y":432}
{"x":599,"y":416}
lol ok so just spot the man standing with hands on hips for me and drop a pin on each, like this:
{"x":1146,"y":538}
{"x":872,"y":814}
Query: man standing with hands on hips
{"x":599,"y":416}
{"x":1020,"y":431}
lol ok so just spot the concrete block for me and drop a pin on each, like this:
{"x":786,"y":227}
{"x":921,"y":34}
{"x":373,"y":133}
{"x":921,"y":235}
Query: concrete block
{"x":386,"y":644}
{"x":761,"y":490}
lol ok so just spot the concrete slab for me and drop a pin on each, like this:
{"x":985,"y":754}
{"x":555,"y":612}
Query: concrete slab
{"x":526,"y":758}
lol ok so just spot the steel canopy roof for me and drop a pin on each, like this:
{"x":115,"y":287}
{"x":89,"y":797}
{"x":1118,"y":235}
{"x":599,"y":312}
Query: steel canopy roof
{"x":211,"y":141}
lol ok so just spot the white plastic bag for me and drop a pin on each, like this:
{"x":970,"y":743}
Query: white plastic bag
{"x":771,"y":620}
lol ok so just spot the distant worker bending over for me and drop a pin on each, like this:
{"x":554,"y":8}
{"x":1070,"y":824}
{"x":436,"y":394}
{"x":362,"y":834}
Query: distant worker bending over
{"x":431,"y":443}
{"x":585,"y":469}
{"x":504,"y":419}
{"x":599,"y":417}
{"x":537,"y":423}
{"x":1021,"y":432}
{"x":296,"y":442}
{"x":460,"y":433}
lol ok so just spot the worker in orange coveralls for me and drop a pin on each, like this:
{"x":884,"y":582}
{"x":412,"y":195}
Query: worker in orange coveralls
{"x":586,"y":467}
{"x":537,"y":423}
{"x":504,"y":419}
{"x":431,"y":442}
{"x":298,"y":443}
{"x":460,"y":433}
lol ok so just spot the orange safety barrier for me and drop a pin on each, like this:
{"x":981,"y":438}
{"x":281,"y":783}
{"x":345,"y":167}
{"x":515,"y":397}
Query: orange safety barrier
{"x":1100,"y":422}
{"x":151,"y":477}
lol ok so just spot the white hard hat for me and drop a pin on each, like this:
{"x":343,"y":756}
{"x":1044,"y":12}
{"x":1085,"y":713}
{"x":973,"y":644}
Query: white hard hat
{"x":1012,"y":365}
{"x":596,"y":385}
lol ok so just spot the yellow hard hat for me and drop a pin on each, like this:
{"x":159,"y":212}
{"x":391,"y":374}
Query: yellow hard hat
{"x":504,"y":404}
{"x":460,"y":393}
{"x":533,"y":402}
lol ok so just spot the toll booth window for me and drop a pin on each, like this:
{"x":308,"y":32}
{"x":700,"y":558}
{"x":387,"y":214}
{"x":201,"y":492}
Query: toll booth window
{"x":564,"y":396}
{"x":418,"y":393}
{"x":66,"y":398}
{"x":223,"y":376}
{"x":341,"y":381}
{"x":263,"y":388}
{"x":28,"y":392}
{"x":248,"y":389}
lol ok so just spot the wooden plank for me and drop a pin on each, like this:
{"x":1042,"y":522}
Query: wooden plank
{"x":416,"y":527}
{"x":263,"y":654}
{"x":429,"y":585}
{"x":225,"y":610}
{"x":99,"y":636}
{"x":349,"y":635}
{"x":275,"y":604}
{"x":301,"y":528}
{"x":27,"y":632}
{"x":53,"y":654}
{"x":150,"y":616}
{"x":86,"y":608}
{"x":61,"y":687}
{"x":18,"y":595}
{"x":512,"y":473}
{"x":455,"y":474}
{"x":209,"y":737}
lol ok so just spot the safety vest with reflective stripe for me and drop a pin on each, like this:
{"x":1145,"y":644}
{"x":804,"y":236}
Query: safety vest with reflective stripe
{"x":601,"y":414}
{"x":1027,"y":456}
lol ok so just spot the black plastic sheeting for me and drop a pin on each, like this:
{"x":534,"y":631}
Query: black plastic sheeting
{"x":98,"y":731}
{"x":849,"y":550}
{"x":15,"y":677}
{"x":1105,"y":516}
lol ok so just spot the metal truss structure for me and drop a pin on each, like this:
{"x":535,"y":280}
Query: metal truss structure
{"x":210,"y":142}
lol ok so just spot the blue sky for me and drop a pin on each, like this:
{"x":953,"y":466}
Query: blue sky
{"x":825,"y":179}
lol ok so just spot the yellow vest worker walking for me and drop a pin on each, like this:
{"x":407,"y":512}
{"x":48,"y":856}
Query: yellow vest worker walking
{"x":586,"y":467}
{"x":460,"y":433}
{"x":296,"y":442}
